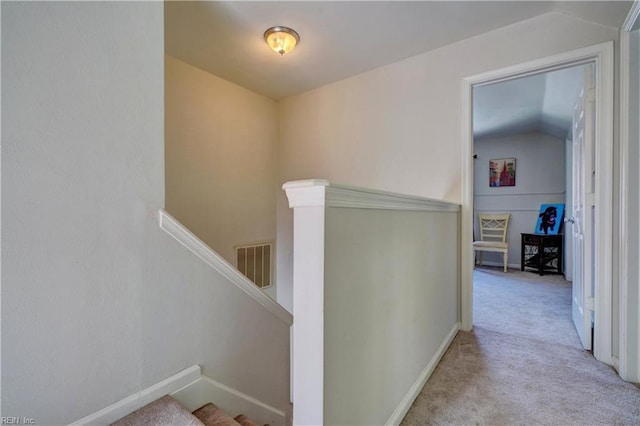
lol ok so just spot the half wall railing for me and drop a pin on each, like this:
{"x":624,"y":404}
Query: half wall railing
{"x":376,"y":290}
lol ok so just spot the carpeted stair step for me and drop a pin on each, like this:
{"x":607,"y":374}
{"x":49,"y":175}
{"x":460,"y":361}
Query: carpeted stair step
{"x":165,"y":411}
{"x":211,"y":415}
{"x":244,"y":421}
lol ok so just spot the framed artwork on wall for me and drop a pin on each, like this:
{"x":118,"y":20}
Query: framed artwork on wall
{"x":502,"y":172}
{"x":550,"y":219}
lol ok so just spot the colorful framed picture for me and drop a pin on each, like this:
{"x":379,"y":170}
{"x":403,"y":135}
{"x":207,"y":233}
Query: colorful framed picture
{"x":550,"y":219}
{"x":502,"y":172}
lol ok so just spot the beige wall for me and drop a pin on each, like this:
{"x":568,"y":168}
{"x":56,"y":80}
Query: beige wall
{"x":220,"y":158}
{"x":398,"y":127}
{"x":98,"y":303}
{"x":390,"y":301}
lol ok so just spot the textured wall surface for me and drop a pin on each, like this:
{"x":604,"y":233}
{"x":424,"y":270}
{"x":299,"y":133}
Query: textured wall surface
{"x":398,"y":127}
{"x":540,"y":178}
{"x":219,"y":159}
{"x":391,"y":298}
{"x":97,"y":301}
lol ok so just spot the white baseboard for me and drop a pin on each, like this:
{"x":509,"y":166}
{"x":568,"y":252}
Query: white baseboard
{"x":193,"y":390}
{"x":615,"y":363}
{"x":131,"y":403}
{"x":500,"y":264}
{"x":406,"y":402}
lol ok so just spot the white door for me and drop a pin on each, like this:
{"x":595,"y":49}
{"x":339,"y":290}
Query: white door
{"x":567,"y":256}
{"x":582,"y":219}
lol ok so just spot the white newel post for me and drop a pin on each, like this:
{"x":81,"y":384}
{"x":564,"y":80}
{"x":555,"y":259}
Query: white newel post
{"x":307,"y":198}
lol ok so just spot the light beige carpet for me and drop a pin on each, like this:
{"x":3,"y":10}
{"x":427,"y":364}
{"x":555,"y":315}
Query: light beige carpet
{"x":523,"y":363}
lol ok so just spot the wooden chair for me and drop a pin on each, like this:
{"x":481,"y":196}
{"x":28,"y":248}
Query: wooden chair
{"x":493,"y":236}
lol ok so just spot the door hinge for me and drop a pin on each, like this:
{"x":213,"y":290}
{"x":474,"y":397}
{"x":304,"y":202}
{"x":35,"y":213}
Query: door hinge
{"x":590,"y":199}
{"x":590,"y":304}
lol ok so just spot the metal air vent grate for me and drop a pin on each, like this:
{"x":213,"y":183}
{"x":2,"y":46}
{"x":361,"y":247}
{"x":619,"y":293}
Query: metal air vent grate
{"x":254,"y":261}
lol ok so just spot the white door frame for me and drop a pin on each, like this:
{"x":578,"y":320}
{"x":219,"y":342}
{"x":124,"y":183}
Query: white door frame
{"x":602,"y":56}
{"x":629,"y":318}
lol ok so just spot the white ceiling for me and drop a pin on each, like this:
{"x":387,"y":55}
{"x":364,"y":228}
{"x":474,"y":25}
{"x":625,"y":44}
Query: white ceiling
{"x":339,"y":39}
{"x":542,"y":103}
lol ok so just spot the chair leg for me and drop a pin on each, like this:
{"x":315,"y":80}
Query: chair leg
{"x":504,"y":260}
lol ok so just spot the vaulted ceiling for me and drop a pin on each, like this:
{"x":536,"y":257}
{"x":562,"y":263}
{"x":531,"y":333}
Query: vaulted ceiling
{"x":538,"y":103}
{"x":340,"y":39}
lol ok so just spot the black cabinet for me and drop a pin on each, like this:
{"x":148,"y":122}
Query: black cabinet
{"x":541,"y":252}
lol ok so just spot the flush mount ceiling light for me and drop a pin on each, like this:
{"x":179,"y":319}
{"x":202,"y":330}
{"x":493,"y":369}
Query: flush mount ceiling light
{"x":281,"y":39}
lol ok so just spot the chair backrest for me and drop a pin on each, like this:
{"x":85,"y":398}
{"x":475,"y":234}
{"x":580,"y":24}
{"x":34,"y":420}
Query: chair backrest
{"x":493,"y":227}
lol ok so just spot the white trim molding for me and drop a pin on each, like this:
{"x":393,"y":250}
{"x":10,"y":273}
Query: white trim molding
{"x":192,"y":390}
{"x":467,"y":255}
{"x":311,"y":200}
{"x":509,"y":210}
{"x":500,"y":264}
{"x":185,"y":237}
{"x":403,"y":408}
{"x":307,"y":364}
{"x":628,"y":354}
{"x":131,"y":403}
{"x":521,"y":194}
{"x":602,"y":56}
{"x":322,"y":193}
{"x":306,"y":193}
{"x":632,"y":17}
{"x":623,"y":234}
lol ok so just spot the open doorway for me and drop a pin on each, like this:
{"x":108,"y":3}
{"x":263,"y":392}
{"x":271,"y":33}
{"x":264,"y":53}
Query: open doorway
{"x":523,"y":170}
{"x":602,"y":58}
{"x":523,"y":127}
